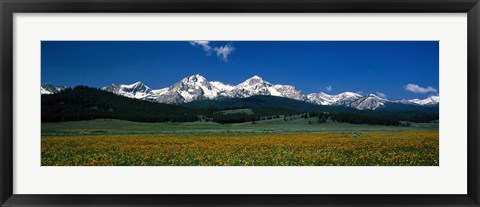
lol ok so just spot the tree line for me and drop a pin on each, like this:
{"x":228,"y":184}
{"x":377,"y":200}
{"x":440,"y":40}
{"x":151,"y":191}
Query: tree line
{"x":85,"y":103}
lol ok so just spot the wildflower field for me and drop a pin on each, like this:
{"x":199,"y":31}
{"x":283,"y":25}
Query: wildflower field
{"x":330,"y":148}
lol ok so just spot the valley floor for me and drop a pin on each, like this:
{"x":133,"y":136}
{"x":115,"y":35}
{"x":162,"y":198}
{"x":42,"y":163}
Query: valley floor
{"x":276,"y":142}
{"x":293,"y":124}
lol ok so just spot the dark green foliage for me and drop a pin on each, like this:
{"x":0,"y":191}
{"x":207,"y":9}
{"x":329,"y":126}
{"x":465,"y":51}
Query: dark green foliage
{"x":412,"y":116}
{"x":389,"y":118}
{"x":275,"y":111}
{"x":264,"y":102}
{"x":321,"y":116}
{"x":398,"y":107}
{"x":365,"y":119}
{"x":232,"y":118}
{"x":383,"y":117}
{"x":84,"y":103}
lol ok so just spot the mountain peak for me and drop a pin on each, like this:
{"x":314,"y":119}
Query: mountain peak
{"x":350,"y":94}
{"x":254,"y":80}
{"x":134,"y":90}
{"x":256,"y":77}
{"x":50,"y":89}
{"x":322,"y":95}
{"x":198,"y":76}
{"x":195,"y":78}
{"x":137,"y":84}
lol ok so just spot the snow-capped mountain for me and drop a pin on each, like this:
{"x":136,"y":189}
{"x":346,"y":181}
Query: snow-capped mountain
{"x":432,"y":100}
{"x":257,"y":86}
{"x":197,"y":87}
{"x":50,"y":89}
{"x":370,"y":102}
{"x":343,"y":99}
{"x":287,"y":91}
{"x":222,"y":89}
{"x":137,"y":90}
{"x":192,"y":88}
{"x":252,"y":86}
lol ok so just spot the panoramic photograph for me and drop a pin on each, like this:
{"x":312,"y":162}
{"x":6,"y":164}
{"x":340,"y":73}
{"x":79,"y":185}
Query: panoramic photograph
{"x":240,"y":103}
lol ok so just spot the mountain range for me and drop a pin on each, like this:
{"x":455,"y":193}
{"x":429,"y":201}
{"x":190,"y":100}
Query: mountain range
{"x":196,"y":87}
{"x":50,"y":89}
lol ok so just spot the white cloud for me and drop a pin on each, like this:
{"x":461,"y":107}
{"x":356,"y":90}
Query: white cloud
{"x":224,"y":51}
{"x":328,"y":88}
{"x":204,"y":44}
{"x":418,"y":89}
{"x":381,"y":95}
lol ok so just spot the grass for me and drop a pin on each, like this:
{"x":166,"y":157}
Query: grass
{"x":332,"y":148}
{"x":294,"y":124}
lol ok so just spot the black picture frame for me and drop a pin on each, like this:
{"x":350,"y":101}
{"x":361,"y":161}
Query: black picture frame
{"x":9,"y":7}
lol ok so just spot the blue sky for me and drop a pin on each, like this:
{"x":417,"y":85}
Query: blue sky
{"x":396,"y":69}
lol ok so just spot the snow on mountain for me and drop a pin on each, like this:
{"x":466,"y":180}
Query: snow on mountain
{"x":320,"y":98}
{"x":370,"y":102}
{"x":197,"y":87}
{"x":165,"y":96}
{"x":432,"y":100}
{"x":346,"y":98}
{"x":223,"y":90}
{"x":50,"y":89}
{"x":287,"y":91}
{"x":428,"y":101}
{"x":343,"y":99}
{"x":219,"y":86}
{"x":191,"y":88}
{"x":257,"y":86}
{"x":252,"y":86}
{"x":137,"y":90}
